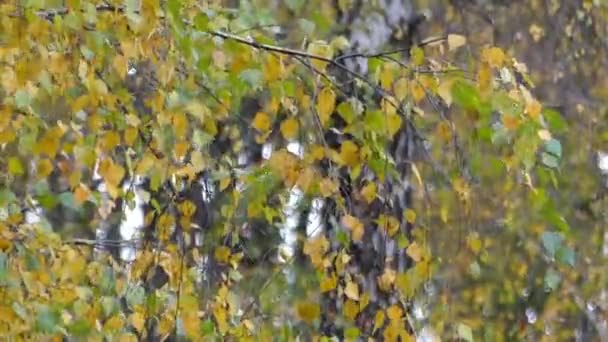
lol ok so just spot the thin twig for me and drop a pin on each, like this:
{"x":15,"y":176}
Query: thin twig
{"x":389,"y":52}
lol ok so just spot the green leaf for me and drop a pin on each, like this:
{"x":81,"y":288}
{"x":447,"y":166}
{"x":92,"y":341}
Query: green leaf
{"x":108,"y":281}
{"x":22,"y":99}
{"x":307,"y":26}
{"x":346,"y":112}
{"x":20,"y":311}
{"x":87,"y":53}
{"x":555,"y":121}
{"x":31,"y":263}
{"x":465,"y":332}
{"x":67,"y":200}
{"x":465,"y":95}
{"x":174,"y":7}
{"x":3,"y":268}
{"x":375,"y":121}
{"x":505,"y":104}
{"x":207,"y":327}
{"x":552,"y":241}
{"x":46,"y":320}
{"x":80,"y":328}
{"x":109,"y":305}
{"x":47,"y":200}
{"x":253,"y":77}
{"x":475,"y":269}
{"x":73,"y":21}
{"x":295,"y":5}
{"x":6,"y":196}
{"x":342,"y":237}
{"x":136,"y":295}
{"x":552,"y":279}
{"x":351,"y":333}
{"x":566,"y":256}
{"x":549,"y":160}
{"x":554,"y":147}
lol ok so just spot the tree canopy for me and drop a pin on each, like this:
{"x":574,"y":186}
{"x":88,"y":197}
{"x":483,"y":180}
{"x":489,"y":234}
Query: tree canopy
{"x":351,"y":170}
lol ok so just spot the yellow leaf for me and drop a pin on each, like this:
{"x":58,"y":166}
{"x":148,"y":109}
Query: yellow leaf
{"x":45,"y":167}
{"x":484,"y":78}
{"x":387,"y":76}
{"x":378,"y":320}
{"x":418,"y":92}
{"x":187,"y":208}
{"x":109,"y":141}
{"x":351,"y":309}
{"x":349,"y":153}
{"x":307,"y":311}
{"x":317,"y":152}
{"x":417,"y":56}
{"x":98,"y":87}
{"x":81,"y":194}
{"x":222,"y":254}
{"x":289,"y":128}
{"x":393,"y":123}
{"x":410,"y":215}
{"x":387,"y":279}
{"x":364,"y":301}
{"x":137,"y":320}
{"x":306,"y":179}
{"x":198,"y":110}
{"x":192,"y":324}
{"x":414,"y":251}
{"x":180,"y":124}
{"x":320,"y":48}
{"x":113,"y":324}
{"x":315,"y":249}
{"x":494,"y":56}
{"x":120,"y":65}
{"x":181,"y":148}
{"x":273,"y":68}
{"x":130,"y":134}
{"x":221,"y":318}
{"x":401,"y":88}
{"x":445,"y":91}
{"x":355,"y":226}
{"x":262,"y":122}
{"x":351,"y":290}
{"x":326,"y":102}
{"x":224,"y":182}
{"x":394,"y":312}
{"x":7,"y":136}
{"x":7,"y":314}
{"x":443,"y":214}
{"x":455,"y":41}
{"x":328,"y":187}
{"x":127,"y":337}
{"x":510,"y":122}
{"x":536,"y":32}
{"x":533,"y":109}
{"x":50,"y":142}
{"x":165,"y":226}
{"x":389,"y":224}
{"x":369,"y":192}
{"x":329,"y":283}
{"x":388,"y":106}
{"x":111,"y":172}
{"x":474,"y":243}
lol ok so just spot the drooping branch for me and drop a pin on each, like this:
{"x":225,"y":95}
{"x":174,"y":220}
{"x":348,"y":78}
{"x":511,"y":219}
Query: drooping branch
{"x":335,"y":62}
